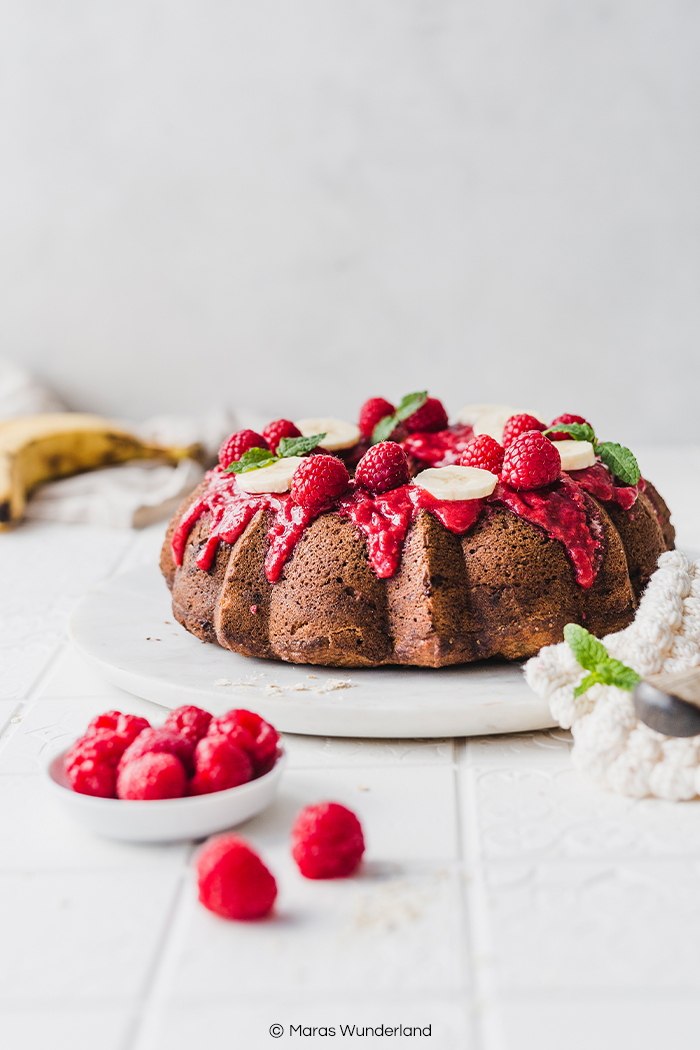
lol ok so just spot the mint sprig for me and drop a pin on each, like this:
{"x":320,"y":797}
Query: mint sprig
{"x":620,"y":461}
{"x":255,"y":458}
{"x":578,"y":431}
{"x":594,"y":657}
{"x":616,"y":458}
{"x":406,"y":407}
{"x":298,"y":446}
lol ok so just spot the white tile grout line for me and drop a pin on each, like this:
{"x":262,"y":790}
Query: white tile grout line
{"x":139,"y":1029}
{"x":488,"y":1030}
{"x":467,"y":940}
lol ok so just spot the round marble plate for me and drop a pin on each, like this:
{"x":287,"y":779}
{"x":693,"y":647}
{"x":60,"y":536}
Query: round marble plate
{"x":126,"y":630}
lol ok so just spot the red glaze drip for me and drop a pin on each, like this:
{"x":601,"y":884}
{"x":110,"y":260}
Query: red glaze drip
{"x":442,"y":449}
{"x":384,"y":520}
{"x":566,"y":514}
{"x":600,"y":483}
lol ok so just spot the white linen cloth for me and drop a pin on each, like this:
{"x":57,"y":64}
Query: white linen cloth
{"x":610,"y":743}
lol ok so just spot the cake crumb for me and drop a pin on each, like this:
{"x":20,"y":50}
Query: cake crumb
{"x":312,"y":676}
{"x":331,"y":684}
{"x":298,"y":688}
{"x":223,"y":681}
{"x":272,"y":690}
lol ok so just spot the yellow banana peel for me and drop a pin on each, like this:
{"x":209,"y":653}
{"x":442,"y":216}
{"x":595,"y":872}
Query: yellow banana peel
{"x":35,"y":449}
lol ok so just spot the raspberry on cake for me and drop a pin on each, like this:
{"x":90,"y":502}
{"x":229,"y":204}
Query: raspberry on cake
{"x":517,"y":425}
{"x":238,"y":444}
{"x":562,"y":435}
{"x":318,"y":481}
{"x":281,"y":428}
{"x":383,"y":467}
{"x":484,"y":452}
{"x":531,"y":461}
{"x":445,"y":566}
{"x":371,"y":413}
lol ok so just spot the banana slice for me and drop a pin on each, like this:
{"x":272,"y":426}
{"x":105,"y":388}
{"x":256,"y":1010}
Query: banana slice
{"x":453,"y":483}
{"x":339,"y":434}
{"x":468,"y":415}
{"x":492,"y":423}
{"x":276,"y":478}
{"x":575,"y":455}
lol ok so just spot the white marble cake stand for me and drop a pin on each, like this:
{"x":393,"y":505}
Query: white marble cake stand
{"x":126,"y":631}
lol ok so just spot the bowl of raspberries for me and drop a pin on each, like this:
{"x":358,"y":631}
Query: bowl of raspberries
{"x":191,"y":776}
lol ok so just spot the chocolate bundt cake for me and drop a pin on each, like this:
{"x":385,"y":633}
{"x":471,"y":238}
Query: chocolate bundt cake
{"x":488,"y":551}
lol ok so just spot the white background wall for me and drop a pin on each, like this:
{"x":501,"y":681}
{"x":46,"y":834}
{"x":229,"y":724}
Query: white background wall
{"x":296,"y":204}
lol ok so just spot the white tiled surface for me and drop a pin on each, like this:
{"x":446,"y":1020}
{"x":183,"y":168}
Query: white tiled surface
{"x":504,"y":900}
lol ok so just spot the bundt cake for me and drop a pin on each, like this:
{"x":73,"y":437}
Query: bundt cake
{"x":449,"y":544}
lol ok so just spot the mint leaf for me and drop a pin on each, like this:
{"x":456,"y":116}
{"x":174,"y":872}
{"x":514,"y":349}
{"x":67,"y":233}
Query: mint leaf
{"x":589,"y":652}
{"x":577,"y":431}
{"x":410,"y":404}
{"x":298,"y":446}
{"x":616,"y":673}
{"x":251,"y":460}
{"x":620,"y":461}
{"x":586,"y":683}
{"x":407,"y":406}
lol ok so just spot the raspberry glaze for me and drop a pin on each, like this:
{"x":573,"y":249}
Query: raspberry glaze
{"x":563,"y":510}
{"x":442,"y":449}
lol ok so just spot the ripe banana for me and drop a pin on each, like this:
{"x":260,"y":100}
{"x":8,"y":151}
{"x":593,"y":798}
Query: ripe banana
{"x":34,"y":449}
{"x":452,"y":483}
{"x":276,"y":478}
{"x":339,"y":434}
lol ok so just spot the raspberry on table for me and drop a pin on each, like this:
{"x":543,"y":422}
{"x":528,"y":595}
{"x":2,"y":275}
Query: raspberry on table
{"x":384,"y":466}
{"x":127,"y":727}
{"x":189,"y":721}
{"x":239,"y":443}
{"x":233,"y":882}
{"x":371,"y":413}
{"x":281,"y":428}
{"x":251,"y":732}
{"x":219,"y":765}
{"x":483,"y":452}
{"x":152,"y":776}
{"x":430,"y":417}
{"x":327,"y":841}
{"x":530,"y":462}
{"x":161,"y":740}
{"x":563,"y":435}
{"x":318,"y":481}
{"x":517,"y":425}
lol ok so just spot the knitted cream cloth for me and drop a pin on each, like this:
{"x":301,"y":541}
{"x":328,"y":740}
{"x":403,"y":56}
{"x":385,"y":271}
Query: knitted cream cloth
{"x":610,"y":743}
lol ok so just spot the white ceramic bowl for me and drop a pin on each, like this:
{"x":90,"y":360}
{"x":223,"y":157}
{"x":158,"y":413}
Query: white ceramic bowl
{"x":168,"y":819}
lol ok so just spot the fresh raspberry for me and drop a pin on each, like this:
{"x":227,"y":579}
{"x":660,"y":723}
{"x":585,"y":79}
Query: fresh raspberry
{"x":371,"y":413}
{"x":483,"y":452}
{"x":157,"y":740}
{"x":233,"y":882}
{"x":562,"y":435}
{"x":188,"y":721}
{"x":237,"y":444}
{"x":517,"y":425}
{"x":251,"y":732}
{"x":281,"y":428}
{"x":383,"y":467}
{"x":327,"y":841}
{"x":318,"y":481}
{"x":429,"y":418}
{"x":92,"y":762}
{"x":219,"y":765}
{"x":153,"y":775}
{"x":127,"y":727}
{"x":530,"y":462}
